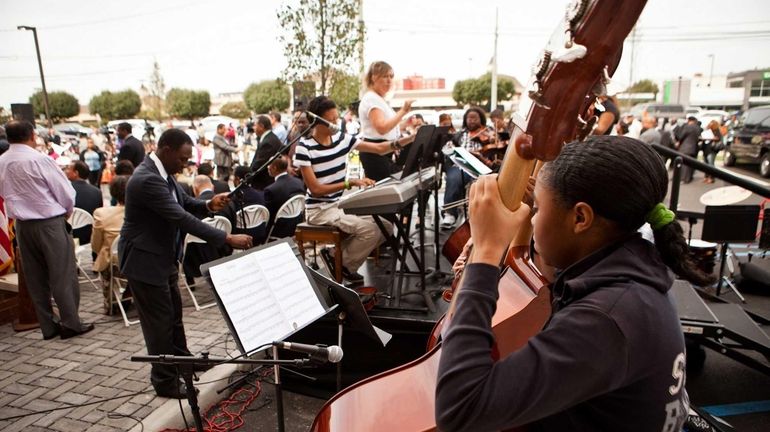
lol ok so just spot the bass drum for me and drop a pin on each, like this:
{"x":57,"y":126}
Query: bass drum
{"x":704,"y":254}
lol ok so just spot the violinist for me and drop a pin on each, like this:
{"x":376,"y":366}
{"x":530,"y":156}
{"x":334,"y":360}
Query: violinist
{"x":613,"y":340}
{"x":473,"y":136}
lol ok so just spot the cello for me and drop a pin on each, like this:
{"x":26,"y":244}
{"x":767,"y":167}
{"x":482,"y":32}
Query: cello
{"x":584,"y":48}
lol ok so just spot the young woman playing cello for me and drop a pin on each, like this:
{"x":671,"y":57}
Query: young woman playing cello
{"x":611,"y":356}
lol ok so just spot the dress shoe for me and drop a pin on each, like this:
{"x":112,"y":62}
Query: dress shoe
{"x":55,"y":333}
{"x":69,"y":333}
{"x":176,"y":390}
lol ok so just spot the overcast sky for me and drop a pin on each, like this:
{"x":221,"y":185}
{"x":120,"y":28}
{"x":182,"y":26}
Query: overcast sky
{"x":222,"y":46}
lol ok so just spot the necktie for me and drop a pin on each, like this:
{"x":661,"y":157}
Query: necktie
{"x":178,"y":234}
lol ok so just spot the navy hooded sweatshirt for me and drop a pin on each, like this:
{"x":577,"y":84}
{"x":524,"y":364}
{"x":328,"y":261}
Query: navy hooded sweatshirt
{"x":610,"y":358}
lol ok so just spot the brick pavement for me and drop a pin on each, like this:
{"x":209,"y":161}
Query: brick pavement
{"x":38,"y":375}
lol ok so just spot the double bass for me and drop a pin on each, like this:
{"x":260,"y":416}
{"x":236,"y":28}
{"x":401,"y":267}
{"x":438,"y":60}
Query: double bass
{"x":584,"y":49}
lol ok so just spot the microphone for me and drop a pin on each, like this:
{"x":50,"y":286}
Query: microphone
{"x":332,"y":354}
{"x":332,"y":127}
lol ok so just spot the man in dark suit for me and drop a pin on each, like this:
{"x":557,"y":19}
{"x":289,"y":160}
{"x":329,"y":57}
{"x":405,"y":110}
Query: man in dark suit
{"x":223,"y":153}
{"x":208,"y":170}
{"x":158,"y":215}
{"x":267,"y":146}
{"x":132,"y":149}
{"x":87,"y":197}
{"x":284,"y":187}
{"x":250,"y":196}
{"x":688,"y":136}
{"x":196,"y":254}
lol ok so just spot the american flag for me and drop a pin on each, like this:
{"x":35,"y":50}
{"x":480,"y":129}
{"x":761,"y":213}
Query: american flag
{"x":6,"y":238}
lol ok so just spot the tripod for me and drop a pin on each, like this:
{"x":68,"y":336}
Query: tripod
{"x":729,"y":224}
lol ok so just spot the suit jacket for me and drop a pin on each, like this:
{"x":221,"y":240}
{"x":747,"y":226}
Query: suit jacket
{"x":223,"y":151}
{"x":132,"y":150}
{"x":220,"y":186}
{"x":147,"y":246}
{"x":276,"y":195}
{"x":268,"y":146}
{"x":688,"y":136}
{"x":107,"y":224}
{"x":88,"y":198}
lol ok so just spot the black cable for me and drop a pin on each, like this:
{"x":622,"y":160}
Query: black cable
{"x":18,"y":416}
{"x":118,"y":416}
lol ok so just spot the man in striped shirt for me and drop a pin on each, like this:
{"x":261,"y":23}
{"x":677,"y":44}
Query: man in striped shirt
{"x":322,"y":159}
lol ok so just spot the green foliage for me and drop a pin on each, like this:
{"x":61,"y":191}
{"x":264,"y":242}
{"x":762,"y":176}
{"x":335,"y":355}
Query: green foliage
{"x":156,"y":90}
{"x":236,"y":110}
{"x":345,"y":90}
{"x":477,"y":91}
{"x":320,"y":38}
{"x":189,"y":104}
{"x":266,"y":96}
{"x":644,"y":86}
{"x":119,"y":105}
{"x":62,"y":105}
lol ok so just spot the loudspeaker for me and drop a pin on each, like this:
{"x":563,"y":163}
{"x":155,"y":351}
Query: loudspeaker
{"x":304,"y":91}
{"x":23,"y":111}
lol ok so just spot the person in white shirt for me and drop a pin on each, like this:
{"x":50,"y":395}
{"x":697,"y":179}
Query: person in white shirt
{"x":278,"y":128}
{"x":379,"y":122}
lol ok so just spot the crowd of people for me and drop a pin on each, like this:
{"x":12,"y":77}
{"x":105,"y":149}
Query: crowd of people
{"x":585,"y":234}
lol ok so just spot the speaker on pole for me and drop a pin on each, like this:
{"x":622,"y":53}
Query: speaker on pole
{"x":23,"y":111}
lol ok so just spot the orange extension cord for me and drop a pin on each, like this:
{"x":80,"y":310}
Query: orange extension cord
{"x":226,"y":416}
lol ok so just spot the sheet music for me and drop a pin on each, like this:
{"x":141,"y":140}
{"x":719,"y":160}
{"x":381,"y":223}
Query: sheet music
{"x":473,"y":161}
{"x":266,"y":294}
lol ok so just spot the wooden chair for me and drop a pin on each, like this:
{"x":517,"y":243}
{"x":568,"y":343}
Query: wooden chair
{"x":306,"y":232}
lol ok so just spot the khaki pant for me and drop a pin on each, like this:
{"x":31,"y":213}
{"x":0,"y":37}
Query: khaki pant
{"x":363,"y":233}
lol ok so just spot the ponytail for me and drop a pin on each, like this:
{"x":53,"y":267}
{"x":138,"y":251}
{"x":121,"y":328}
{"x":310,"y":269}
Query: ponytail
{"x":676,"y":254}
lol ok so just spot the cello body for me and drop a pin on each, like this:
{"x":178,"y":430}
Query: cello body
{"x":583,"y":50}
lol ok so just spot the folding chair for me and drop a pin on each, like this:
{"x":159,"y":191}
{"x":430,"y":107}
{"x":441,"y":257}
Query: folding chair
{"x":218,"y":222}
{"x":251,"y":217}
{"x":291,"y":209}
{"x":81,"y":219}
{"x":116,"y":281}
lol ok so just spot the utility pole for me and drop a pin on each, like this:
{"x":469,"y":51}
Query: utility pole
{"x":361,"y":35}
{"x":493,"y":99}
{"x":42,"y":77}
{"x":711,"y":74}
{"x":631,"y":66}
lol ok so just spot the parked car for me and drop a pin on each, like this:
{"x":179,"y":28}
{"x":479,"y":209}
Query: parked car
{"x":72,"y":129}
{"x":658,"y":110}
{"x":705,"y":117}
{"x":750,"y":140}
{"x":139,"y":127}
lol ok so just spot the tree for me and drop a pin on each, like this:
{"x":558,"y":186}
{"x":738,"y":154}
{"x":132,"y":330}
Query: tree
{"x":62,"y":105}
{"x":477,"y":91}
{"x":345,"y":89}
{"x":266,"y":96}
{"x":120,"y":105}
{"x":156,"y":92}
{"x":188,"y":104}
{"x":320,"y":37}
{"x":237,"y":110}
{"x":644,"y":86}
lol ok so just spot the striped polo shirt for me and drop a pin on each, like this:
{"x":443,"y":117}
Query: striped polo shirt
{"x":329,"y":163}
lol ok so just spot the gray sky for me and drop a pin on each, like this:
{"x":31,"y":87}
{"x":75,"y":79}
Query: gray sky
{"x":222,"y":46}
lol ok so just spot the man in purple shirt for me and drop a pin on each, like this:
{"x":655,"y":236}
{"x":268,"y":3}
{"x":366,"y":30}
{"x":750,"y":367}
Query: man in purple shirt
{"x":40,"y":198}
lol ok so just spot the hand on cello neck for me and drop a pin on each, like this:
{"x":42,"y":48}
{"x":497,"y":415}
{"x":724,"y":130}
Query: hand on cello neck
{"x":493,"y":225}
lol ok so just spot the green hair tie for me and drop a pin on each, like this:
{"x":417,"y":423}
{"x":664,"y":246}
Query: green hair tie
{"x":659,"y":216}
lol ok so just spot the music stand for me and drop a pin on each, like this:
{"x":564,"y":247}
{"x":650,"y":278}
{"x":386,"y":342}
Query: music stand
{"x":729,"y":224}
{"x":422,"y":139}
{"x":266,"y":295}
{"x":350,"y":312}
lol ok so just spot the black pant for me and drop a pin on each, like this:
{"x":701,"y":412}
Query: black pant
{"x":94,"y":177}
{"x":376,"y":167}
{"x":160,"y":314}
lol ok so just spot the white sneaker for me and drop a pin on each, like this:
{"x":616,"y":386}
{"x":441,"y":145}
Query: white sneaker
{"x":448,"y":221}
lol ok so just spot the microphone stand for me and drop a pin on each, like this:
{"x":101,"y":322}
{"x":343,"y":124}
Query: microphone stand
{"x":186,"y":365}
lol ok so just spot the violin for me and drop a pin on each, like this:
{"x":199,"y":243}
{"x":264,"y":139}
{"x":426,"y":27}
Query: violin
{"x":582,"y":48}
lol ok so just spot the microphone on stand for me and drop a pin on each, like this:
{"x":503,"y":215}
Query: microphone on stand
{"x":332,"y":354}
{"x":333,"y":128}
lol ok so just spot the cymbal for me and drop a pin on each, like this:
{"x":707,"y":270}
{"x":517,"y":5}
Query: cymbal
{"x":724,"y":196}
